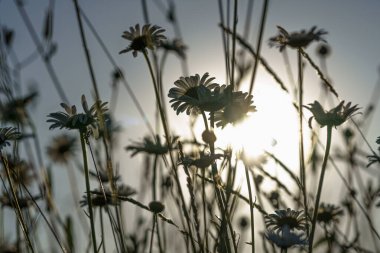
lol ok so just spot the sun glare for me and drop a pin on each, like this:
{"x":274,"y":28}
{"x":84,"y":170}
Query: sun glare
{"x":273,"y":128}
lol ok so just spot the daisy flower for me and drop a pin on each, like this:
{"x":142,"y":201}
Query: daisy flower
{"x":70,"y":119}
{"x":150,"y":146}
{"x":236,"y":110}
{"x":328,"y":213}
{"x":62,"y":148}
{"x":148,"y":37}
{"x":288,"y":218}
{"x":194,"y":94}
{"x":286,"y":239}
{"x":333,"y":117}
{"x":296,"y":39}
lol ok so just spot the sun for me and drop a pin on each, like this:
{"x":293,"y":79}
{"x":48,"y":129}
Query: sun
{"x":272,"y":128}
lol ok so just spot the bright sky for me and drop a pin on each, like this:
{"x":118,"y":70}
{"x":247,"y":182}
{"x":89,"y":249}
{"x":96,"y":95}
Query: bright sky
{"x":353,"y":34}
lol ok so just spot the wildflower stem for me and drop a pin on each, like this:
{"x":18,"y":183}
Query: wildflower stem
{"x":16,"y":204}
{"x":319,"y":190}
{"x":301,"y":141}
{"x":250,"y":208}
{"x":83,"y":139}
{"x":258,"y":45}
{"x":152,"y":234}
{"x":168,"y":141}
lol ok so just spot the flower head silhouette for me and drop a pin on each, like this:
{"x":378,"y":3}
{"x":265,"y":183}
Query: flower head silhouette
{"x":150,"y":146}
{"x":176,"y":45}
{"x":70,"y":119}
{"x":286,"y":239}
{"x":194,"y":94}
{"x":328,"y":213}
{"x":8,"y":134}
{"x":148,"y":37}
{"x":236,"y":110}
{"x":62,"y":148}
{"x":333,"y":117}
{"x":296,"y":39}
{"x":288,"y":218}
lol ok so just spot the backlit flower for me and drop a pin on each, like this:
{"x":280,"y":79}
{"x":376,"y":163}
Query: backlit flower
{"x":286,"y":239}
{"x":286,"y":219}
{"x":334,"y":117}
{"x":203,"y":162}
{"x":73,"y":120}
{"x":62,"y":148}
{"x":99,"y":201}
{"x":176,"y":45}
{"x":149,"y":37}
{"x":8,"y":134}
{"x":15,"y":110}
{"x":236,"y":110}
{"x":194,"y":94}
{"x":328,"y":213}
{"x":150,"y":146}
{"x":296,"y":39}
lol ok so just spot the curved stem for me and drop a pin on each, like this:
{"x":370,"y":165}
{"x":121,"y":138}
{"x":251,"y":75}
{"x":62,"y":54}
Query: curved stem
{"x":88,"y":193}
{"x":16,"y":204}
{"x":320,"y":184}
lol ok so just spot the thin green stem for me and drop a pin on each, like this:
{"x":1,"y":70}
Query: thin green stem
{"x":168,"y":141}
{"x":301,"y":141}
{"x":83,"y":139}
{"x":258,"y":45}
{"x":250,"y":208}
{"x":102,"y":229}
{"x":152,"y":234}
{"x":320,"y":185}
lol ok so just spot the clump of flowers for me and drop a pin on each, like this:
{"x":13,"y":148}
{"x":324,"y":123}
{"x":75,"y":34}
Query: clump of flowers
{"x":70,"y":119}
{"x":296,"y":39}
{"x":149,"y":37}
{"x":333,"y":117}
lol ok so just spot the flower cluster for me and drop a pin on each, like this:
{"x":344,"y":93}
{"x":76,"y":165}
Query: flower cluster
{"x":195,"y":94}
{"x":296,"y":39}
{"x":148,"y":37}
{"x":333,"y":117}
